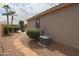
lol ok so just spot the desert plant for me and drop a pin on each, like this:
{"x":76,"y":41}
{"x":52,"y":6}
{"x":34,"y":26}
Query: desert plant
{"x":33,"y":33}
{"x":8,"y":13}
{"x":12,"y":13}
{"x":8,"y":28}
{"x":6,"y":7}
{"x":23,"y":30}
{"x":21,"y":24}
{"x":16,"y":28}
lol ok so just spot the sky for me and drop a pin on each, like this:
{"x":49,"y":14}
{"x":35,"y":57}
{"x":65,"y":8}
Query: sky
{"x":24,"y":10}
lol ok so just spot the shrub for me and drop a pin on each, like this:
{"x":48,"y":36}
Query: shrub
{"x":22,"y":30}
{"x":33,"y":33}
{"x":8,"y":29}
{"x":21,"y":24}
{"x":16,"y":28}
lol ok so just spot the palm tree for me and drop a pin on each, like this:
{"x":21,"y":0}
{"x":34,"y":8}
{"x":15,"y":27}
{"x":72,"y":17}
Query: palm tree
{"x":12,"y":17}
{"x":12,"y":14}
{"x":7,"y":14}
{"x":6,"y":7}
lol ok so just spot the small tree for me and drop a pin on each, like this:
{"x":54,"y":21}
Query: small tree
{"x":6,"y":7}
{"x":12,"y":14}
{"x":21,"y":24}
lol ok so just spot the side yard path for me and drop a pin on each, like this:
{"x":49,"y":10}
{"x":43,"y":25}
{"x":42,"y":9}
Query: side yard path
{"x":8,"y":43}
{"x":19,"y":44}
{"x":14,"y":47}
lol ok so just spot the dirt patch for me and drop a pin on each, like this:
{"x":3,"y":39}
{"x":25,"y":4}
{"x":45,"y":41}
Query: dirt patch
{"x":54,"y":49}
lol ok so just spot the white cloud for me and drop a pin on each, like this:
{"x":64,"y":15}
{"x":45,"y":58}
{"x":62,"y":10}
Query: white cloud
{"x":26,"y":10}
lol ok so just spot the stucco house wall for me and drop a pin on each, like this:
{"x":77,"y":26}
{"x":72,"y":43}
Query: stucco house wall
{"x":31,"y":24}
{"x":63,"y":25}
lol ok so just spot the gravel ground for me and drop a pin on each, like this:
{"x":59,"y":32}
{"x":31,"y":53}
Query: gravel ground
{"x":54,"y":49}
{"x":19,"y":44}
{"x":9,"y":48}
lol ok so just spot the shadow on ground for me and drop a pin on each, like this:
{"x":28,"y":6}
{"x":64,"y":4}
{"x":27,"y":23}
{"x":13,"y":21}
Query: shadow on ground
{"x":33,"y":44}
{"x":63,"y":49}
{"x":53,"y":49}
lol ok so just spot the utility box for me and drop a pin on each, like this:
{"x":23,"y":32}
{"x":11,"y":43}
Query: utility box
{"x":45,"y":40}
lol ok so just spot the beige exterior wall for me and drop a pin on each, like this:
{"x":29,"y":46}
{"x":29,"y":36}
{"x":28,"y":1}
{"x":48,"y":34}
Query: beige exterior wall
{"x":31,"y":24}
{"x":63,"y":25}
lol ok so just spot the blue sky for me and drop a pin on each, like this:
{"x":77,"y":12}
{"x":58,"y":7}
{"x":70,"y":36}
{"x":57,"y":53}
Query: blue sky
{"x":25,"y":10}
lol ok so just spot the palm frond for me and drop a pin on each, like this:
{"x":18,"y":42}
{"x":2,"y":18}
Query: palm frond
{"x":6,"y":6}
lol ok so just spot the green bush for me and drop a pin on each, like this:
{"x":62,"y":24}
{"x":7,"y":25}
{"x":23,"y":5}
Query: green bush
{"x":33,"y":33}
{"x":8,"y":29}
{"x":22,"y":30}
{"x":21,"y":24}
{"x":16,"y":28}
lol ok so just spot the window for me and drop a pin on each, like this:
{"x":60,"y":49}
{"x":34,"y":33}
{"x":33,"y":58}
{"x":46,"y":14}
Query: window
{"x":38,"y":23}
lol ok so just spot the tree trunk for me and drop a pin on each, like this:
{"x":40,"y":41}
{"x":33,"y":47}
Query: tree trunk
{"x":12,"y":20}
{"x":7,"y":17}
{"x":7,"y":21}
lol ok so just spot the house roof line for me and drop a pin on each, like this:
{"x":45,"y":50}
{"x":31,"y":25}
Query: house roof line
{"x":49,"y":10}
